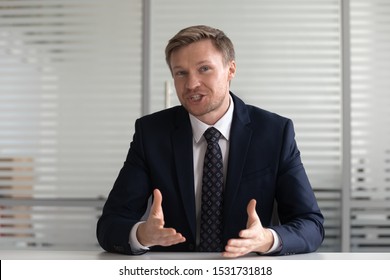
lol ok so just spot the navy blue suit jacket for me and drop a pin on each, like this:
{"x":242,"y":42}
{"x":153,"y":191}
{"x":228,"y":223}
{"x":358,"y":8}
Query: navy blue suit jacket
{"x":264,"y":164}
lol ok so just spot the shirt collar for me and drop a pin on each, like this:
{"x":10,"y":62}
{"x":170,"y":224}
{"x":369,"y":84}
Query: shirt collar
{"x":223,"y":124}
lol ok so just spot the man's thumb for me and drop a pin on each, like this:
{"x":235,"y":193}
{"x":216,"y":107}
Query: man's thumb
{"x":157,"y":200}
{"x":252,"y":214}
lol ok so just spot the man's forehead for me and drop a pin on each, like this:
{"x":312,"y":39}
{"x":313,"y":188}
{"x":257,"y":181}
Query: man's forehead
{"x":198,"y":51}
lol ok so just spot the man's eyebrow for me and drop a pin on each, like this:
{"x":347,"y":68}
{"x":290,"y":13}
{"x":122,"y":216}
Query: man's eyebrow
{"x":177,"y":67}
{"x":204,"y":62}
{"x":198,"y":63}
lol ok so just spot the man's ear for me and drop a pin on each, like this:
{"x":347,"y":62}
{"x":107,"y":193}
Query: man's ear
{"x":232,"y":70}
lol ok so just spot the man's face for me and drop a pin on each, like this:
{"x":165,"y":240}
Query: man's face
{"x":202,"y":80}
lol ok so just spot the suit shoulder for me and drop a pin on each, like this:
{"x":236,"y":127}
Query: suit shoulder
{"x":162,"y":117}
{"x":259,"y":114}
{"x":250,"y":113}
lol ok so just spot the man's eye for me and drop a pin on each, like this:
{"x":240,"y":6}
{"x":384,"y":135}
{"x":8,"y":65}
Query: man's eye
{"x":204,"y":68}
{"x":180,"y":73}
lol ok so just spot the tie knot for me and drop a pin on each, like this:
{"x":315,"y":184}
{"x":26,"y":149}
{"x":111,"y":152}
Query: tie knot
{"x":212,"y":135}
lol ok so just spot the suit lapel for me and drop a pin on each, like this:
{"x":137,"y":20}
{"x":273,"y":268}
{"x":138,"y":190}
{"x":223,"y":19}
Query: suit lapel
{"x":240,"y":137}
{"x":182,"y":148}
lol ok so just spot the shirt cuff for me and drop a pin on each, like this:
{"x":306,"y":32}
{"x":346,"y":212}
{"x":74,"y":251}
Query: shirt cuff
{"x":277,"y":243}
{"x":136,"y":247}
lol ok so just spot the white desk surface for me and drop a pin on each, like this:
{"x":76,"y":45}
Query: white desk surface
{"x":101,"y":255}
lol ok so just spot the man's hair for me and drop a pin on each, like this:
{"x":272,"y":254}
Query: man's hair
{"x":197,"y":33}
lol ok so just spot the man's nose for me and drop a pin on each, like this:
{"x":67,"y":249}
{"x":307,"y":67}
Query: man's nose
{"x":192,"y":82}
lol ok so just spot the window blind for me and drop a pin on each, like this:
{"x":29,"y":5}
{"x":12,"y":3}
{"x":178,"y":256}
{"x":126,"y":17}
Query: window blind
{"x":70,"y":90}
{"x":288,"y":56}
{"x":370,"y":180}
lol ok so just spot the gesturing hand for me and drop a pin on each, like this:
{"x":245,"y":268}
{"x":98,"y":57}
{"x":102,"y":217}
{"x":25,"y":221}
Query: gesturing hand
{"x":153,"y":232}
{"x":254,"y":238}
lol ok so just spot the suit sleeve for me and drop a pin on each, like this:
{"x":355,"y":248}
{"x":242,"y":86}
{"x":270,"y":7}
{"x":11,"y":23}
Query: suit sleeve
{"x":127,"y":201}
{"x":301,"y":221}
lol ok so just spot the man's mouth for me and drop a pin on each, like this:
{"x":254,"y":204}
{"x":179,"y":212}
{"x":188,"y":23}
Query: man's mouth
{"x":195,"y":97}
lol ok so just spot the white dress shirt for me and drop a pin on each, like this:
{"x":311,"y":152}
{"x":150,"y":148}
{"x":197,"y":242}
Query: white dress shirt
{"x":199,"y":146}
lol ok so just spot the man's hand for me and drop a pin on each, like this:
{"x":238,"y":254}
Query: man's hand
{"x":152,"y":232}
{"x":254,"y":238}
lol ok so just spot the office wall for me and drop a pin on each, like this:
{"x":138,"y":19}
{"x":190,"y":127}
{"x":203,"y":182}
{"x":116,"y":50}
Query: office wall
{"x":72,"y":86}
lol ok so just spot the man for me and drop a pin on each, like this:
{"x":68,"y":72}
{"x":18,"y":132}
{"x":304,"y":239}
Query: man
{"x":256,"y":154}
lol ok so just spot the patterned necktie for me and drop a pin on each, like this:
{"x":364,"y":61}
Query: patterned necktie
{"x":212,"y":197}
